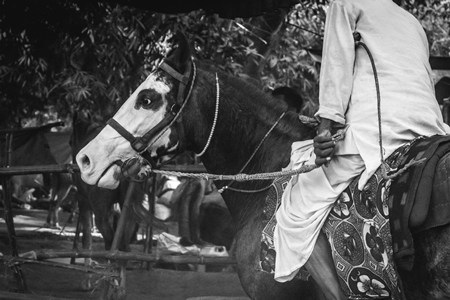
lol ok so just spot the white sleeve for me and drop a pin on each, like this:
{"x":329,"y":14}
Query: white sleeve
{"x":338,"y":56}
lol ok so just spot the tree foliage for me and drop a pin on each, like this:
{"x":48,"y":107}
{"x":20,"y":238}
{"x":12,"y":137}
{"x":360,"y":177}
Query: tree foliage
{"x":435,"y":18}
{"x":73,"y":56}
{"x":60,"y":55}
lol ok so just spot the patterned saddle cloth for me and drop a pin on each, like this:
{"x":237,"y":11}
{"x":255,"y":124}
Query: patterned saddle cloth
{"x":358,"y":227}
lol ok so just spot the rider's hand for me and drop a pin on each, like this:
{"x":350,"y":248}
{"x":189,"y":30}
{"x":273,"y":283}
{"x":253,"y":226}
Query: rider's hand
{"x":323,"y":143}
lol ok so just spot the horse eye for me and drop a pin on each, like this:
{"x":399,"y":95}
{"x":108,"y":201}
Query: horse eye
{"x":146,"y":101}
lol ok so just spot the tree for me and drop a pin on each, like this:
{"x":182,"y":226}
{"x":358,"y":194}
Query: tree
{"x":62,"y":55}
{"x":435,"y":18}
{"x":73,"y":56}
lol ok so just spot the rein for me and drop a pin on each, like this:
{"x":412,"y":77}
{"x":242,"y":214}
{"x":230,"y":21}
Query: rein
{"x":357,"y":38}
{"x":236,"y":177}
{"x":387,"y":171}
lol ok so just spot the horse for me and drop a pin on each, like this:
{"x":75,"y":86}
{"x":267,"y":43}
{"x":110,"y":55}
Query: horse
{"x":188,"y":104}
{"x":99,"y":201}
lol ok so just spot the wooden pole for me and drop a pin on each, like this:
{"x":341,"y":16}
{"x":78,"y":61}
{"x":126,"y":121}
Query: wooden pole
{"x":44,"y":254}
{"x":13,"y":296}
{"x":151,"y":197}
{"x":73,"y":168}
{"x":117,"y":290}
{"x":84,"y":269}
{"x":6,"y":183}
{"x":39,"y":169}
{"x":76,"y":239}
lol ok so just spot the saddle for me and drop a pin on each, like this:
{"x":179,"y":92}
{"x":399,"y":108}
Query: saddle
{"x":412,"y":204}
{"x":371,"y":229}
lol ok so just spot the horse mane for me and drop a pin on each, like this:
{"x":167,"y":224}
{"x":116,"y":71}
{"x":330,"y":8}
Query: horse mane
{"x":263,"y":104}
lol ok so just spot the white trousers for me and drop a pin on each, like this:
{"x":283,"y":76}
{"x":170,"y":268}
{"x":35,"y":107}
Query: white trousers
{"x":306,"y":202}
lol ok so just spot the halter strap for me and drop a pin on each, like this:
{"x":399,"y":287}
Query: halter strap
{"x":139,"y":144}
{"x":182,"y":78}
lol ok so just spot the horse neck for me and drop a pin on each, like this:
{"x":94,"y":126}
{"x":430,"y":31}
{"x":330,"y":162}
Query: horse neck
{"x":244,"y":119}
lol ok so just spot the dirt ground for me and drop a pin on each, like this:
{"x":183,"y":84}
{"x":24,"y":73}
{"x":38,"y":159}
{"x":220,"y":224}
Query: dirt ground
{"x":48,"y":282}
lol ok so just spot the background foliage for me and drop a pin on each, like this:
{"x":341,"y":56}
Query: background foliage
{"x":58,"y":56}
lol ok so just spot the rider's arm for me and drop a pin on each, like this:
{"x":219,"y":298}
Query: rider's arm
{"x":336,"y":78}
{"x":336,"y":74}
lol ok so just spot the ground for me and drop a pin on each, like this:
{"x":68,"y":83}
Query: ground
{"x":142,"y":283}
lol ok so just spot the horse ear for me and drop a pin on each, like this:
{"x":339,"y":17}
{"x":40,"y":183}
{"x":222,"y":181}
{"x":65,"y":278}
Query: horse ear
{"x":180,"y":56}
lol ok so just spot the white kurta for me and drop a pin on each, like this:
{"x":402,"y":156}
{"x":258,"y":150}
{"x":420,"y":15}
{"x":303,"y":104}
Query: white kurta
{"x":348,"y":96}
{"x":399,"y":46}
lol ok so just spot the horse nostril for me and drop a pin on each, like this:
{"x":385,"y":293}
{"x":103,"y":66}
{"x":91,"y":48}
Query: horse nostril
{"x":84,"y":162}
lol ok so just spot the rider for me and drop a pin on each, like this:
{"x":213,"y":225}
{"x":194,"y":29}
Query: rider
{"x":348,"y":97}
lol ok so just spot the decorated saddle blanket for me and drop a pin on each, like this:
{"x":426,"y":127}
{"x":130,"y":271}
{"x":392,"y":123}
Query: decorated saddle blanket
{"x":359,"y":225}
{"x":412,"y":205}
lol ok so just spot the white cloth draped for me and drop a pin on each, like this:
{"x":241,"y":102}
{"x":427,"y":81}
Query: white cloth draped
{"x":304,"y":207}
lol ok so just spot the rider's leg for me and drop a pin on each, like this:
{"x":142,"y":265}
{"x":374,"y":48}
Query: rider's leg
{"x":320,"y":263}
{"x":321,"y":267}
{"x":305,"y":205}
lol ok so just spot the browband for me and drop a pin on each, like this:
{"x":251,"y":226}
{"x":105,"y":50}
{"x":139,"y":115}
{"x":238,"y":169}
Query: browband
{"x":175,"y":74}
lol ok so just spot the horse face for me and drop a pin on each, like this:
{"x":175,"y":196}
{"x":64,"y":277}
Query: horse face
{"x":143,"y":110}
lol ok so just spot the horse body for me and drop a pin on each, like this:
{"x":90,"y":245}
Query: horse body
{"x":236,"y":137}
{"x":245,"y":118}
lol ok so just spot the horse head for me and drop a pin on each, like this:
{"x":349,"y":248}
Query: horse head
{"x":147,"y":124}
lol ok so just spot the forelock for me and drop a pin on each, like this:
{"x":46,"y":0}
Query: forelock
{"x":157,"y":83}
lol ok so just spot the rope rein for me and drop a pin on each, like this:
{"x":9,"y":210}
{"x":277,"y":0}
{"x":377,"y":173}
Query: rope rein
{"x":358,"y":42}
{"x":387,"y":171}
{"x":262,"y":141}
{"x":227,"y":187}
{"x":241,"y":177}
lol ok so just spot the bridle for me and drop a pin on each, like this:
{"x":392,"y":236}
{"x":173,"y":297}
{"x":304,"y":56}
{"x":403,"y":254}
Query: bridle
{"x":141,"y":144}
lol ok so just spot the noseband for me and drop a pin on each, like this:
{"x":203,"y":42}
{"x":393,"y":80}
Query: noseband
{"x":140,"y":144}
